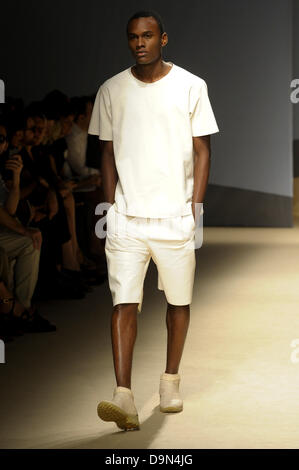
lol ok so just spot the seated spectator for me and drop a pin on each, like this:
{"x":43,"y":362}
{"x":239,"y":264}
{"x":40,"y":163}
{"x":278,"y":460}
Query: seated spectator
{"x":48,"y":214}
{"x":92,"y":195}
{"x":15,"y":134}
{"x":21,"y":244}
{"x":48,"y":170}
{"x":58,"y":155}
{"x":77,"y":138}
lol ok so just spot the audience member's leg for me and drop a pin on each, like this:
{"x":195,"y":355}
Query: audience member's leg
{"x":69,"y":204}
{"x":4,"y":267}
{"x":27,"y":264}
{"x":5,"y":293}
{"x":68,"y":260}
{"x":61,"y":227}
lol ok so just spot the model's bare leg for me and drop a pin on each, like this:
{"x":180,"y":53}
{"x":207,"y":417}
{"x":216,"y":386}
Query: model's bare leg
{"x":123,"y":335}
{"x":177,"y":321}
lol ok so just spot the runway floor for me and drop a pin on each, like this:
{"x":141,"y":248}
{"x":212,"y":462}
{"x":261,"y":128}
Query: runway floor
{"x":239,"y":371}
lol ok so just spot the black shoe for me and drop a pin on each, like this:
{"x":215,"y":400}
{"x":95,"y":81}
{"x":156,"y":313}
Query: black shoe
{"x":59,"y":287}
{"x":6,"y":330}
{"x":76,"y":279}
{"x":6,"y":338}
{"x":12,"y":326}
{"x":36,"y":323}
{"x":94,"y":277}
{"x":9,"y":324}
{"x":97,"y":279}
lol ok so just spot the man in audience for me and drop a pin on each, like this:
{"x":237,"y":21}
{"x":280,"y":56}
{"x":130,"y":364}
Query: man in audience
{"x":77,"y":139}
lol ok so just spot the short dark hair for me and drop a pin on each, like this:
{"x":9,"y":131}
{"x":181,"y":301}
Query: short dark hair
{"x":33,"y":110}
{"x":145,"y":14}
{"x":79,"y":105}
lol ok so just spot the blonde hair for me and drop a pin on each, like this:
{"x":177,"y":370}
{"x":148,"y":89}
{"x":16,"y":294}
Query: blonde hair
{"x":55,"y":132}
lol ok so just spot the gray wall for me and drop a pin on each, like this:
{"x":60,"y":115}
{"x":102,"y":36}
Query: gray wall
{"x":242,"y":48}
{"x":296,"y":63}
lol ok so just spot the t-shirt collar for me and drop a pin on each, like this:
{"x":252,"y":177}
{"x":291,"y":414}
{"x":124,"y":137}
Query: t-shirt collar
{"x":153,"y":83}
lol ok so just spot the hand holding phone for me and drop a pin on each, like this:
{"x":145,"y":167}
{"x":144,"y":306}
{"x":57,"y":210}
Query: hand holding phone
{"x":15,"y":164}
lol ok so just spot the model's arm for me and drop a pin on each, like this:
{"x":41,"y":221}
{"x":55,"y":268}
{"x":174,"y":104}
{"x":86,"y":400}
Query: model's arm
{"x":108,"y":170}
{"x":202,"y":151}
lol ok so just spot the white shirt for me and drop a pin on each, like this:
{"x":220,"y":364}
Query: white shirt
{"x":77,"y":145}
{"x":151,"y":126}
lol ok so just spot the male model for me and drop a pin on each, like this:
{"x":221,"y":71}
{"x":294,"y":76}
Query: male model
{"x":154,"y":120}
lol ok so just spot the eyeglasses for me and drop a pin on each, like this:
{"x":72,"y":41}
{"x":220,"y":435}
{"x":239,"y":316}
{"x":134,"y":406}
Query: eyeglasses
{"x":33,"y":129}
{"x":3,"y":138}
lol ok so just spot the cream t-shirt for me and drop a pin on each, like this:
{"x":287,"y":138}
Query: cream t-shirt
{"x":151,"y":126}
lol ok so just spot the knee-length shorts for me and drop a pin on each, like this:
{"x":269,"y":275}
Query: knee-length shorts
{"x":130,"y":244}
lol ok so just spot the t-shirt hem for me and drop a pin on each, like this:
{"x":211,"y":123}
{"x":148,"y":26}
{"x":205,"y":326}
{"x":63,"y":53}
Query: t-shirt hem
{"x":157,"y":214}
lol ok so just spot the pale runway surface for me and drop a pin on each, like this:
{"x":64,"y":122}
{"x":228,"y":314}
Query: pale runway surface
{"x":239,"y":379}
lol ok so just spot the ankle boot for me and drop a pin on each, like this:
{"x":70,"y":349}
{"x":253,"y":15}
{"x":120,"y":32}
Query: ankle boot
{"x":121,"y":409}
{"x":170,"y":399}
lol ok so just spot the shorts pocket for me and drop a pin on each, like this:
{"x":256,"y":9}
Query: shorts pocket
{"x":192,"y":221}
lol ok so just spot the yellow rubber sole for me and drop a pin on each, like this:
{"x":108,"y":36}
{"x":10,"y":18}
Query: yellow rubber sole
{"x":108,"y":411}
{"x":171,"y":409}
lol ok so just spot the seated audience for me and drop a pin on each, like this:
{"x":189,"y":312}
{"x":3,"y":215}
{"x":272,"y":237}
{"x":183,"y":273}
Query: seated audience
{"x":49,"y":179}
{"x":21,"y":245}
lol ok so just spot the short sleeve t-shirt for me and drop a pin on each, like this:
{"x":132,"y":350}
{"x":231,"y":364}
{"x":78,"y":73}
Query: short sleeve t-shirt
{"x":151,"y":126}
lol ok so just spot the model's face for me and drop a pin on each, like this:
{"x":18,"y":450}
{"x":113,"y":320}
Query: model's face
{"x":144,"y":36}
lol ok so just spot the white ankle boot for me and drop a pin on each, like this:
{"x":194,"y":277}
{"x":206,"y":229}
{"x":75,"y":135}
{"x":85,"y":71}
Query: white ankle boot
{"x":170,"y":399}
{"x":121,"y":409}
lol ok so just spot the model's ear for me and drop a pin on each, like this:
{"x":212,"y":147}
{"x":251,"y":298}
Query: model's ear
{"x":164,"y":39}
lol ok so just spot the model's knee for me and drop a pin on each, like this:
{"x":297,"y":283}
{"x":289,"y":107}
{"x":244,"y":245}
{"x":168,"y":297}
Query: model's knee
{"x":125,"y":307}
{"x":177,"y":307}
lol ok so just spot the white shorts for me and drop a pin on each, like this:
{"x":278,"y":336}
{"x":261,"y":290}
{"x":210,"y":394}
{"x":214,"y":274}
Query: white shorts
{"x":130,"y":244}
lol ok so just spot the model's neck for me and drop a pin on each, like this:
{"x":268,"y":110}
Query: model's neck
{"x":151,"y":72}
